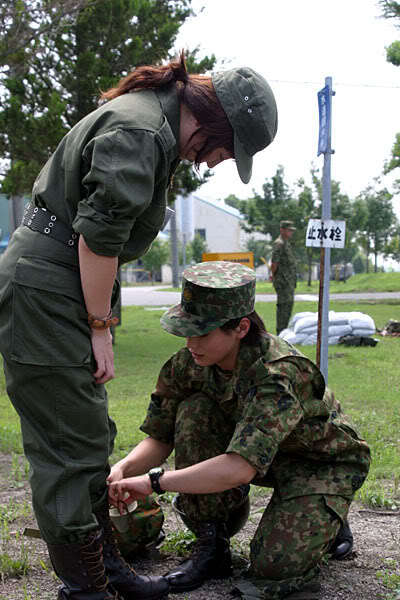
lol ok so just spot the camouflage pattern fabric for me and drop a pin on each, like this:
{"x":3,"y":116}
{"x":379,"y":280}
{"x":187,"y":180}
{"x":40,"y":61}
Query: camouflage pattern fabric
{"x":144,"y":527}
{"x":284,"y":307}
{"x":212,"y":293}
{"x":284,"y":281}
{"x":273,"y":410}
{"x":290,"y":541}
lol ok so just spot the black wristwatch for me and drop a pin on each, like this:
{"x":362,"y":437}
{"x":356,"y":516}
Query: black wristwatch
{"x":155,"y":475}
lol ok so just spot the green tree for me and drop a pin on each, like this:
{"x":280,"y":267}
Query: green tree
{"x":359,"y":264}
{"x":55,"y":78}
{"x":22,"y":23}
{"x":233,"y":201}
{"x":391,"y":10}
{"x":394,"y":162}
{"x":156,"y":257}
{"x":308,"y":199}
{"x":392,"y":247}
{"x":264,"y":211}
{"x":380,"y":223}
{"x":353,"y":212}
{"x":261,"y":250}
{"x":198,"y":247}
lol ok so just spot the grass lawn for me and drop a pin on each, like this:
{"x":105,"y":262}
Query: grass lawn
{"x":366,"y":380}
{"x":365,"y":282}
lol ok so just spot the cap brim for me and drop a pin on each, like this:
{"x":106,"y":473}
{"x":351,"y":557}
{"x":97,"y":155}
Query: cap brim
{"x":244,"y":162}
{"x":179,"y":322}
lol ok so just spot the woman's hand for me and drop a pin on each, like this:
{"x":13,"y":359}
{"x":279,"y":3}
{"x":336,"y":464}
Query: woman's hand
{"x":103,"y":354}
{"x":116,"y":474}
{"x":137,"y":488}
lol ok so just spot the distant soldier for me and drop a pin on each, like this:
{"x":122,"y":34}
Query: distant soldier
{"x":283,"y":274}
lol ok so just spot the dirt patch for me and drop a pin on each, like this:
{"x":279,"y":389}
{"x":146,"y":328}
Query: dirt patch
{"x":376,"y":548}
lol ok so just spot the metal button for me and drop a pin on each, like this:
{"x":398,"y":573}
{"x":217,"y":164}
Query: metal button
{"x":51,"y":224}
{"x":53,"y":217}
{"x":246,"y":98}
{"x":249,"y":110}
{"x":74,"y":236}
{"x":71,"y":242}
{"x":35,"y":209}
{"x":46,"y":230}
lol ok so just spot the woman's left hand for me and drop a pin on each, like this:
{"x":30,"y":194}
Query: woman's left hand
{"x":103,"y":354}
{"x":137,"y":488}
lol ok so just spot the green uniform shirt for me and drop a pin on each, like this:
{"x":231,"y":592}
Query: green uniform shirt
{"x":280,"y":417}
{"x":109,"y":175}
{"x":282,"y":254}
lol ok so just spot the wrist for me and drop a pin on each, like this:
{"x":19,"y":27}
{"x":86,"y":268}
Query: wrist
{"x":154,"y":476}
{"x":102,"y":322}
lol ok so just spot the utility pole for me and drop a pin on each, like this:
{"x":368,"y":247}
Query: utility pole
{"x":325,"y":148}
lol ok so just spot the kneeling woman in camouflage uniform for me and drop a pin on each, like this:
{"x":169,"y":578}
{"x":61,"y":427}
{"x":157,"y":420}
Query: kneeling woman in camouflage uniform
{"x":239,"y":406}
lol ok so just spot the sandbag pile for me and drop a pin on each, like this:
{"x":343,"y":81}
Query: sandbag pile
{"x":303,"y":327}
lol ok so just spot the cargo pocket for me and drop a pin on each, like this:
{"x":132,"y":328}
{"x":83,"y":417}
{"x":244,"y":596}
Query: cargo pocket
{"x":49,"y":319}
{"x":338,"y":506}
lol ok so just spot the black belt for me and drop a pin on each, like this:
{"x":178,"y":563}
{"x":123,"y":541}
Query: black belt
{"x":43,"y":221}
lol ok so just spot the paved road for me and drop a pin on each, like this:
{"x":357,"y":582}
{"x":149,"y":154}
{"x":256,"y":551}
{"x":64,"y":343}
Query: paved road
{"x":150,"y":296}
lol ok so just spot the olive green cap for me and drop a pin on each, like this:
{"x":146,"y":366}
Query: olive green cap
{"x":250,"y":106}
{"x":287,"y":225}
{"x":213,"y":293}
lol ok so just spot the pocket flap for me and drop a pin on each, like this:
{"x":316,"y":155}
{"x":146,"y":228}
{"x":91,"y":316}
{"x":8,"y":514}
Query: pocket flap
{"x":36,"y":272}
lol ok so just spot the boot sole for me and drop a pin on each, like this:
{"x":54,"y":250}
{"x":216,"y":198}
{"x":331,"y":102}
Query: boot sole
{"x":158,"y":597}
{"x":176,"y":589}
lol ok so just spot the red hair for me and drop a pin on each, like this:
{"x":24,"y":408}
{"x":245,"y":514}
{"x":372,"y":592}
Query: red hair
{"x":195,"y":91}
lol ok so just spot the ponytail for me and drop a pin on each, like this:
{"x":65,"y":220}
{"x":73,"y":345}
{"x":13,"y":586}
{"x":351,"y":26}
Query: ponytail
{"x":195,"y":91}
{"x":149,"y":77}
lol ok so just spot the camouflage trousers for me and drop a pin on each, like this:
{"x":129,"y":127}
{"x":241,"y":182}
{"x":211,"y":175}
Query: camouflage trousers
{"x":293,"y":534}
{"x":284,"y":307}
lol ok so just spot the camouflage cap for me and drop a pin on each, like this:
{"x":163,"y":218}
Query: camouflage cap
{"x":287,"y":225}
{"x":213,"y":293}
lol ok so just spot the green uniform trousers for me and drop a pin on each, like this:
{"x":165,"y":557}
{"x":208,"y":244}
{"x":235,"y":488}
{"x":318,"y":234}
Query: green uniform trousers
{"x":67,"y":437}
{"x":284,"y":307}
{"x":48,"y":363}
{"x":292,"y":536}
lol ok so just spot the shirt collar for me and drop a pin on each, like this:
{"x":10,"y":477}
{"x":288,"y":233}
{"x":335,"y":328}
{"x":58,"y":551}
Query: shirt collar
{"x":168,"y":98}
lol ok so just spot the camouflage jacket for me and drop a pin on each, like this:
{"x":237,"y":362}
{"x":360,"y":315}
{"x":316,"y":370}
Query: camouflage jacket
{"x":282,"y":419}
{"x":282,"y":255}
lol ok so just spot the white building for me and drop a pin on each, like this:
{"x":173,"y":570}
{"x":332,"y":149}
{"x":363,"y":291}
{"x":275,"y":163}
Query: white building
{"x":216,"y":222}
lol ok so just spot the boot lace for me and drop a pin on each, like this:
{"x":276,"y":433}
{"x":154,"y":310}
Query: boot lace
{"x":110,"y":543}
{"x":93,"y":559}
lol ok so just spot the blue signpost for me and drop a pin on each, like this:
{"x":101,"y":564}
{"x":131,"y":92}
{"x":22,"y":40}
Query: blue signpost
{"x":324,"y":147}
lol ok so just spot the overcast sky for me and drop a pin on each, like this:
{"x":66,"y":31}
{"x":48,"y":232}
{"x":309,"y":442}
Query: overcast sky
{"x":295,"y":45}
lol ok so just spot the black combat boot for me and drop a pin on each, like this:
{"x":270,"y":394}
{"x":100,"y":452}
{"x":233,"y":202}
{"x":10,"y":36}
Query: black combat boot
{"x":211,"y":558}
{"x":122,"y":577}
{"x":80,"y":567}
{"x":343,"y":543}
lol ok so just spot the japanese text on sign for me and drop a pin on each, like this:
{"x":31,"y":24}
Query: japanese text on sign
{"x":325,"y":233}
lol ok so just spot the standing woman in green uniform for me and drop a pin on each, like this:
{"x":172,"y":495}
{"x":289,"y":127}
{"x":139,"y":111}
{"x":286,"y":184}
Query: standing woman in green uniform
{"x":100,"y":201}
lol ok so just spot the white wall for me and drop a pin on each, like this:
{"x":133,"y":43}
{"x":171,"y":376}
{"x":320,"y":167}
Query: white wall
{"x":223,"y":232}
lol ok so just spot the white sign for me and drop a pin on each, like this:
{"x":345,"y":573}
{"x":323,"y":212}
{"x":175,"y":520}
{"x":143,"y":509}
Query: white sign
{"x":325,"y":233}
